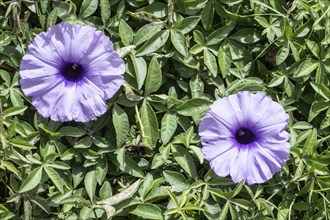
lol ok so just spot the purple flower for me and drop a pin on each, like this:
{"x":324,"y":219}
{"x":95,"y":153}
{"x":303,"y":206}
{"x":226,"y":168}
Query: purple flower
{"x":70,"y":72}
{"x":243,"y":135}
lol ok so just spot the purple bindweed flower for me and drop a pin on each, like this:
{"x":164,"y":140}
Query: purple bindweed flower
{"x":243,"y":135}
{"x":70,"y":72}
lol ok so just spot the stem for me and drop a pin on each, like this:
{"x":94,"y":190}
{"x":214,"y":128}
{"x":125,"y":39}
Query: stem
{"x":140,"y":122}
{"x":170,"y":6}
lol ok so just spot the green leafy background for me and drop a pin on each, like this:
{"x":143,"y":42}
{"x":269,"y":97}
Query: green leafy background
{"x":142,"y":159}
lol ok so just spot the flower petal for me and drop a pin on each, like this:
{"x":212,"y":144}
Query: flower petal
{"x":103,"y":50}
{"x":213,"y":148}
{"x":32,"y":67}
{"x":42,"y":48}
{"x":106,"y":73}
{"x":222,"y":163}
{"x":279,"y":149}
{"x":223,"y":112}
{"x":274,"y":122}
{"x":211,"y":126}
{"x":239,"y":169}
{"x":62,"y":108}
{"x":40,"y":85}
{"x":92,"y":101}
{"x":79,"y":102}
{"x":69,"y":42}
{"x":45,"y":102}
{"x":109,"y":84}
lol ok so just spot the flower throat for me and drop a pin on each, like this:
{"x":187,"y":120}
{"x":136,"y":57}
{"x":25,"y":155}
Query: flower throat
{"x":72,"y":72}
{"x":244,"y":136}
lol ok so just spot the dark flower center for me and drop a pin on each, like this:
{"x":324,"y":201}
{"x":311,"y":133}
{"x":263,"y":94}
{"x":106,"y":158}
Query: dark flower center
{"x":72,"y":72}
{"x":244,"y":136}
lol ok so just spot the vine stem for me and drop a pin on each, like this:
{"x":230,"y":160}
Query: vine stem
{"x":170,"y":6}
{"x":140,"y":121}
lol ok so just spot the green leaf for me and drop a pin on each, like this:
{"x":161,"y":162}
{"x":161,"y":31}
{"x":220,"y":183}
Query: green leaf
{"x":41,"y":202}
{"x":302,"y":125}
{"x":220,"y":34}
{"x":176,"y":180}
{"x":305,"y":68}
{"x":148,"y":211}
{"x":6,"y":78}
{"x":179,"y":41}
{"x":59,"y":165}
{"x":13,"y":111}
{"x":288,"y":86}
{"x":105,"y":190}
{"x":156,"y":193}
{"x":161,"y":157}
{"x":146,"y":185}
{"x":15,"y":97}
{"x":283,"y":53}
{"x":157,"y":9}
{"x":262,"y":21}
{"x":6,"y":165}
{"x":309,"y":147}
{"x":120,"y":123}
{"x":198,"y":152}
{"x":197,"y":48}
{"x":22,"y":144}
{"x":224,"y":59}
{"x":149,"y":128}
{"x":196,"y":86}
{"x":299,"y":171}
{"x":154,"y":77}
{"x":5,"y":39}
{"x":278,"y":80}
{"x":55,"y":177}
{"x":88,"y":8}
{"x":194,"y":106}
{"x":125,"y":194}
{"x":184,"y":159}
{"x":246,"y":36}
{"x":140,"y":68}
{"x":72,"y":131}
{"x":126,"y":164}
{"x":90,"y":182}
{"x":85,"y":213}
{"x":86,"y":142}
{"x":283,"y":210}
{"x":78,"y":173}
{"x":303,"y":30}
{"x":147,"y":32}
{"x":187,"y":24}
{"x":321,"y":89}
{"x":314,"y":48}
{"x":210,"y":62}
{"x":101,"y":170}
{"x":208,"y":15}
{"x":173,"y":199}
{"x":169,"y":125}
{"x":105,"y":10}
{"x":224,"y":211}
{"x":27,"y":209}
{"x":32,"y":180}
{"x":237,"y":189}
{"x":125,"y":32}
{"x":154,"y":43}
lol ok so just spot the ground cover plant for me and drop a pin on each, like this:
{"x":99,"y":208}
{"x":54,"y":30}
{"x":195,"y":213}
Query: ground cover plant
{"x":142,"y":158}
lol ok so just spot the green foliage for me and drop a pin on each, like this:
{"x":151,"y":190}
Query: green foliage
{"x":143,"y":158}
